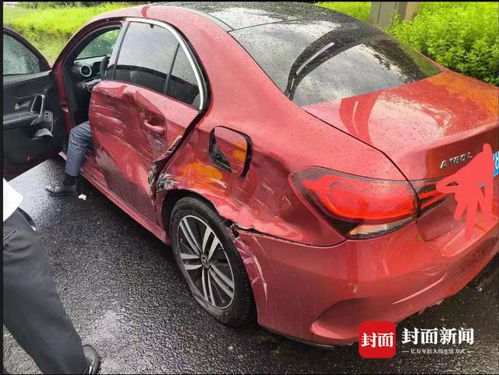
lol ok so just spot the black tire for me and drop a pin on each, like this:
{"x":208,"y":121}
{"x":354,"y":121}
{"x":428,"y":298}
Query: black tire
{"x":241,"y":308}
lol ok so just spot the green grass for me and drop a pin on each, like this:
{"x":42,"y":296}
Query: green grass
{"x":64,"y":21}
{"x":10,"y":14}
{"x":49,"y":29}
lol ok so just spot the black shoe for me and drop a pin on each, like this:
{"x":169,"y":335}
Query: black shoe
{"x":59,"y":190}
{"x":92,"y":359}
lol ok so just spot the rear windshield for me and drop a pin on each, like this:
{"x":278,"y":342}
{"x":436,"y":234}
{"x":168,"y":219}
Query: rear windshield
{"x":314,"y":62}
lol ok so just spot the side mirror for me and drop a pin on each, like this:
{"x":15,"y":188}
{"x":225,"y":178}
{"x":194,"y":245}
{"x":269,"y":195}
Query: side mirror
{"x":230,"y":150}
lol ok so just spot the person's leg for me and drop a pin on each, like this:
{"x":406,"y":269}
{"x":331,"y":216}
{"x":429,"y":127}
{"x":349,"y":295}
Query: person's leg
{"x":32,"y":310}
{"x":80,"y":138}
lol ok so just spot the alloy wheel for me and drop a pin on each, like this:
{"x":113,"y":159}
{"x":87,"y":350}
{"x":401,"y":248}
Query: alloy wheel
{"x":205,"y":261}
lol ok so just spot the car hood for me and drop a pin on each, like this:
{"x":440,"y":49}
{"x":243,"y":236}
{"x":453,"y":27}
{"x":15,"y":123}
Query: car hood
{"x":421,"y":124}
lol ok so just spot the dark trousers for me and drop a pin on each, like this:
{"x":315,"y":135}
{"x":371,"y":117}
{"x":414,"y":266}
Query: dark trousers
{"x":32,"y":310}
{"x":80,"y":138}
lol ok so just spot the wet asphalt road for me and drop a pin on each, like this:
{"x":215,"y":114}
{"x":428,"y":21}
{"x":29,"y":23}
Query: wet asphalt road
{"x":121,"y":288}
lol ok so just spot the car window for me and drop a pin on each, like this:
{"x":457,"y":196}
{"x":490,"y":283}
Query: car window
{"x":101,"y":45}
{"x":318,"y":61}
{"x":17,"y":58}
{"x":146,"y":56}
{"x":182,"y":84}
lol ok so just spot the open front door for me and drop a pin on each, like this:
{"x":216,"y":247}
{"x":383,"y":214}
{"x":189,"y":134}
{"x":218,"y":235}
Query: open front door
{"x":33,"y":127}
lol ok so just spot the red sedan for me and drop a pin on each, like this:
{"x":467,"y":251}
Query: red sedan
{"x":288,"y":153}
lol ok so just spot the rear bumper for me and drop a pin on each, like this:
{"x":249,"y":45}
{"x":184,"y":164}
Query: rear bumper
{"x":322,"y":294}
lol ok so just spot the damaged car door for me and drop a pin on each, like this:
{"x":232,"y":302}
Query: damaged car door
{"x":141,"y":112}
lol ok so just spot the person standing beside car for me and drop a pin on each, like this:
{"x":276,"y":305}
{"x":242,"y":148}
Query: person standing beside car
{"x":32,"y":310}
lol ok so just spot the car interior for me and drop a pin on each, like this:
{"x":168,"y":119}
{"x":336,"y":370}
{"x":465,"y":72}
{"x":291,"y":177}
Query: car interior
{"x":33,"y":129}
{"x":88,"y":63}
{"x":84,"y":68}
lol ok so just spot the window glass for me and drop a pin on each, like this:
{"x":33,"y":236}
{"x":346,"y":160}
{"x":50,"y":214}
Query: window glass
{"x":146,"y":56}
{"x":101,"y":46}
{"x":183,"y":85}
{"x":318,"y":61}
{"x":367,"y":67}
{"x":17,"y":59}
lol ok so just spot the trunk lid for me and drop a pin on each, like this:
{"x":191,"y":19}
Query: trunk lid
{"x":430,"y":129}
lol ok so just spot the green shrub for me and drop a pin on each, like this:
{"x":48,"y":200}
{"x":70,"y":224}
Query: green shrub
{"x":356,"y":9}
{"x":462,"y":36}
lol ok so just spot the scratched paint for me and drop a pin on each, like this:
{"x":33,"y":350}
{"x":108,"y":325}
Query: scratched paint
{"x":165,"y":182}
{"x":250,"y":261}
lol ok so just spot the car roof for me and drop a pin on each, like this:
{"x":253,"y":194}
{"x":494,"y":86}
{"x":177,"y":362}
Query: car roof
{"x":239,"y":15}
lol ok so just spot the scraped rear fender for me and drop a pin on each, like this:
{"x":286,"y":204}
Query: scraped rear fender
{"x":261,"y":201}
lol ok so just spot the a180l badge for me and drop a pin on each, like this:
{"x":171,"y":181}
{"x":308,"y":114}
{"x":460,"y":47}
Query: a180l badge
{"x":456,"y":160}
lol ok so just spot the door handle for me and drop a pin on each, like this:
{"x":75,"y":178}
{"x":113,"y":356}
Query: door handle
{"x":128,"y":94}
{"x":157,"y":129}
{"x":41,"y":99}
{"x":20,"y":106}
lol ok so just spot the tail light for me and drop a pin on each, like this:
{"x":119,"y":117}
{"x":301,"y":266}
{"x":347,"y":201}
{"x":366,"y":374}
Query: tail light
{"x":362,"y":207}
